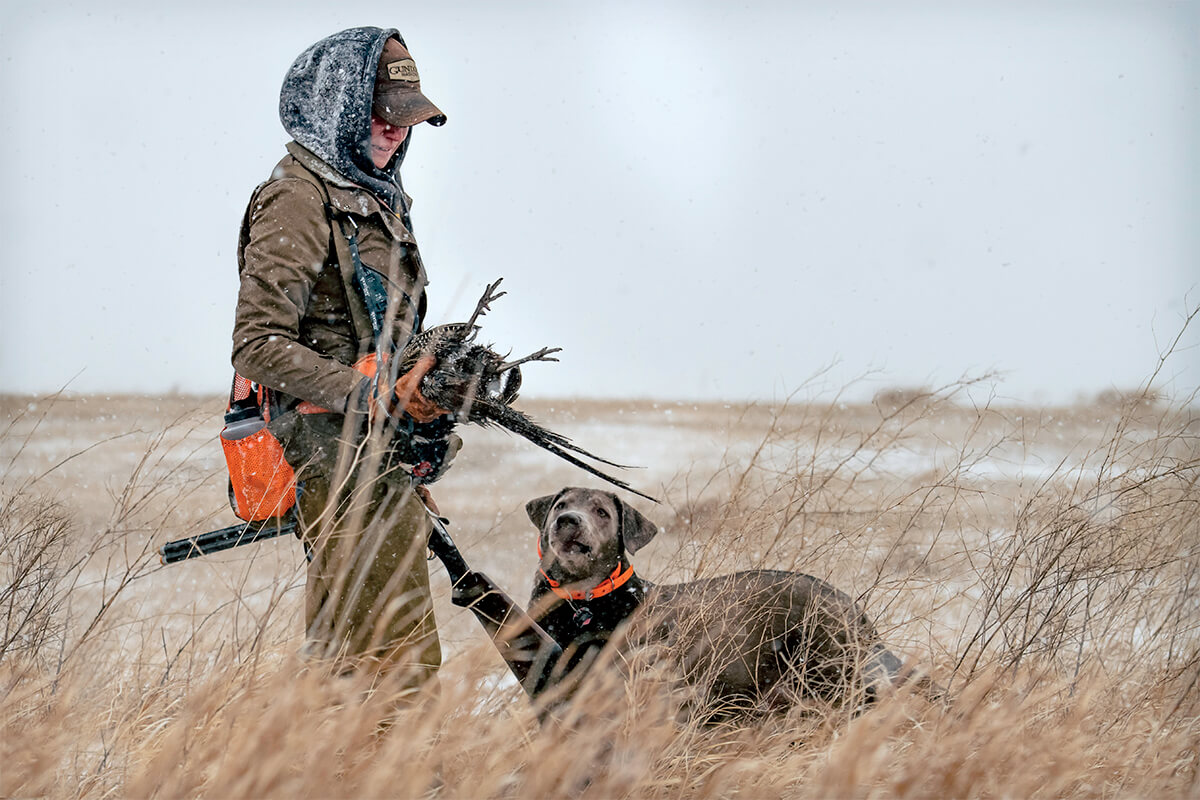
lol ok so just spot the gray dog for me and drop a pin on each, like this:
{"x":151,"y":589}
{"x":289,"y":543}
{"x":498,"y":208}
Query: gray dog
{"x":752,"y":641}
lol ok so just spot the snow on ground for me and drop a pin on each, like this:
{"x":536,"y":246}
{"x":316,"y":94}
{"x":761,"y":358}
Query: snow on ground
{"x":169,"y":447}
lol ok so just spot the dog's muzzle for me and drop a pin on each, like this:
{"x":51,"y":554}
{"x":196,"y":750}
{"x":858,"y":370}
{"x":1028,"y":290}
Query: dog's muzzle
{"x":567,"y":530}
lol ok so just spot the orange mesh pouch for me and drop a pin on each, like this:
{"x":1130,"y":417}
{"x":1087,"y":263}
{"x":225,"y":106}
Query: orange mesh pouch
{"x":262,"y":484}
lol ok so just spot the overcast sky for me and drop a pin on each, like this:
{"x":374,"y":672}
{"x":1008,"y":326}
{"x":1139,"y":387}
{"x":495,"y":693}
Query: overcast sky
{"x":694,"y":199}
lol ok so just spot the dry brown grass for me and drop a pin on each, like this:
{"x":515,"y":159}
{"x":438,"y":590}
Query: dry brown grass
{"x":1041,"y":563}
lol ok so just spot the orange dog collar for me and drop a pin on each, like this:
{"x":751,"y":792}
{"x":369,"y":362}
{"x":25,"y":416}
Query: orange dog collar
{"x":607,"y":586}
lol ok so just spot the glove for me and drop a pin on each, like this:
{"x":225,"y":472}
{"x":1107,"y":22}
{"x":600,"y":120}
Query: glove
{"x":408,"y":397}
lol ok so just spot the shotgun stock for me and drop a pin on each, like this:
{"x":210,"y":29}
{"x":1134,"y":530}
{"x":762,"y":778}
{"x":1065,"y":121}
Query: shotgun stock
{"x":530,"y":653}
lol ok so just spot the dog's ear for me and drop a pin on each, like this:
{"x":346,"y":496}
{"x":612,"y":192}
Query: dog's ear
{"x":539,"y":507}
{"x":636,"y":530}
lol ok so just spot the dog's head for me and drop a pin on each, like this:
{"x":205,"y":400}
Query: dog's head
{"x":584,"y":532}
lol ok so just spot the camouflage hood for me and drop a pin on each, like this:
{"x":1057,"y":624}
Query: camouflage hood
{"x":325,"y":105}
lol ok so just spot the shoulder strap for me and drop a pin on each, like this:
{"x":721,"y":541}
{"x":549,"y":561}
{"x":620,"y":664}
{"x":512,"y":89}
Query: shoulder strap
{"x":369,"y":282}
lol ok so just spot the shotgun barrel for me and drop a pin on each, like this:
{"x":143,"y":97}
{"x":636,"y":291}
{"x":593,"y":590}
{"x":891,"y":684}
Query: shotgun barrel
{"x":225,"y":538}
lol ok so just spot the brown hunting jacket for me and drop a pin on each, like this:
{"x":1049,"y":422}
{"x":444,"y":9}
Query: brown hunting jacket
{"x":301,"y":322}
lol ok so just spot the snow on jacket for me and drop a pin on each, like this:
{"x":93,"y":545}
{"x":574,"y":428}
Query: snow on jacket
{"x":300,"y":320}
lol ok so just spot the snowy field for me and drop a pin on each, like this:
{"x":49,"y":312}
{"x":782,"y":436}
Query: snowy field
{"x":152,"y":470}
{"x":959,"y":527}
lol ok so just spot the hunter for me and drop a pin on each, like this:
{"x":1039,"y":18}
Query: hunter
{"x":331,"y":278}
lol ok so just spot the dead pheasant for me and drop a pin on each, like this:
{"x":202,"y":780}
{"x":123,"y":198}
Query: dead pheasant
{"x":481,"y":385}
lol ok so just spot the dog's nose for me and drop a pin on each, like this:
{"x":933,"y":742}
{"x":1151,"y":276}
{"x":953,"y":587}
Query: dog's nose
{"x":568,"y":520}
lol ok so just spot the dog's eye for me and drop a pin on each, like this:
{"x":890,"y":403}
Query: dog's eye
{"x":600,"y":512}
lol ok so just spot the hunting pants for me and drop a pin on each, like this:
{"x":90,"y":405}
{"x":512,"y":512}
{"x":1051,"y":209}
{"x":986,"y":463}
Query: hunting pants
{"x":367,"y":601}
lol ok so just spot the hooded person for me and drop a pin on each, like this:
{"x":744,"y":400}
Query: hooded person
{"x":331,"y":282}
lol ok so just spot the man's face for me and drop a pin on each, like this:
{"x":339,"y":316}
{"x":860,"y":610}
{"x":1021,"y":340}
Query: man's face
{"x":385,"y":140}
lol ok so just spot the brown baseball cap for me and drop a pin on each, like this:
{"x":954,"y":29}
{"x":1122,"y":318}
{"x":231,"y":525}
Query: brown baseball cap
{"x":398,"y":99}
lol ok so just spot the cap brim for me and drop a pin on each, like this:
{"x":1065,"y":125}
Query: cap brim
{"x":407,"y":108}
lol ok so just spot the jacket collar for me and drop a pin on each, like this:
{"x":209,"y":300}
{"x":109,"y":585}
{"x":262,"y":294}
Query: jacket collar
{"x":348,"y":197}
{"x":311,"y":161}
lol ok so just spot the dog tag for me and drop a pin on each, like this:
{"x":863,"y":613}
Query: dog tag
{"x":583,"y":616}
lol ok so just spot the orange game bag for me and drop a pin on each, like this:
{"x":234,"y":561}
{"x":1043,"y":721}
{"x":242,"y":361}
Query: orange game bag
{"x":262,"y":484}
